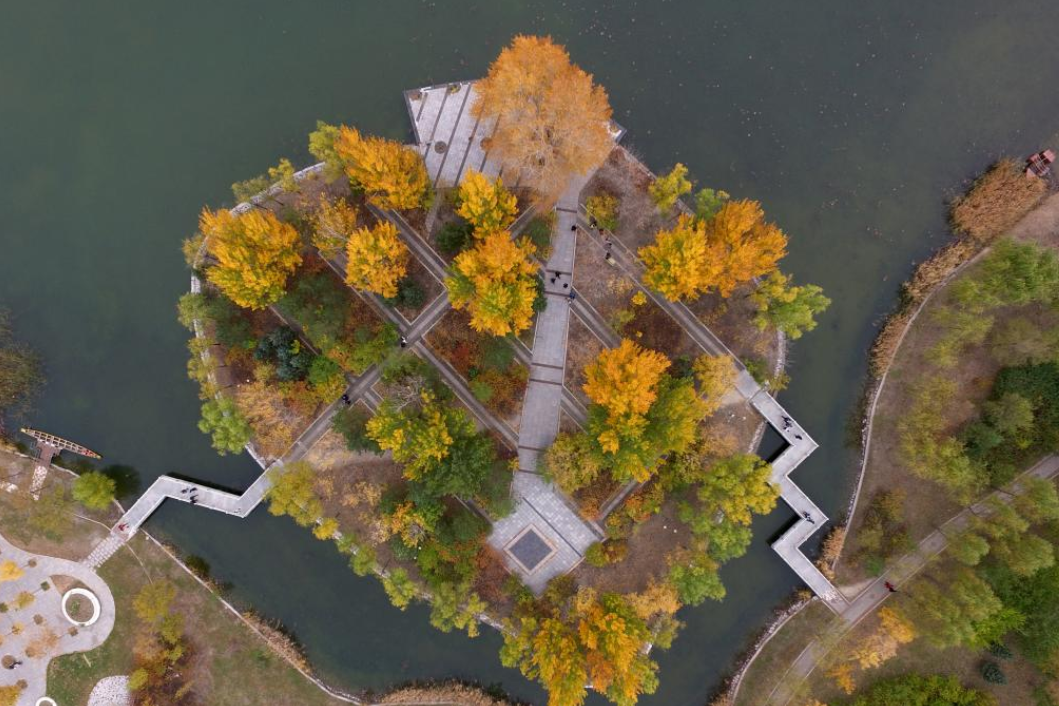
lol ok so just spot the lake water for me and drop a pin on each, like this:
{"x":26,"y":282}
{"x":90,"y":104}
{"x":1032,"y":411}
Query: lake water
{"x":851,"y":122}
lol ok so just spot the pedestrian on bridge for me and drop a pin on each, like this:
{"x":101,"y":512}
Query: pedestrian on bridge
{"x":808,"y":517}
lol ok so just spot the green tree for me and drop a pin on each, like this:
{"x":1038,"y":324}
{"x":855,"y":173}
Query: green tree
{"x":1013,"y":274}
{"x":992,"y":673}
{"x":456,"y":606}
{"x":1017,"y":341}
{"x":695,"y":578}
{"x":351,"y":423}
{"x":94,"y":490}
{"x":783,"y":306}
{"x":968,"y":547}
{"x":947,"y":613}
{"x":1010,"y":414}
{"x":326,"y":379}
{"x":571,"y":462}
{"x":420,"y":437}
{"x":363,"y":560}
{"x":737,"y":487}
{"x":667,"y":188}
{"x":225,"y":424}
{"x":399,"y":588}
{"x":708,"y":202}
{"x":919,"y":690}
{"x":322,"y":146}
{"x":292,"y":491}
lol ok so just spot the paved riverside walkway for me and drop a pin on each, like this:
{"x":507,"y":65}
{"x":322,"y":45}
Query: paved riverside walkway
{"x":899,"y":572}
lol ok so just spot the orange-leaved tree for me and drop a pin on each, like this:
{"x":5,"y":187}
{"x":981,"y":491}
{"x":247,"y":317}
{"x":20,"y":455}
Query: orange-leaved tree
{"x":486,"y":204}
{"x":742,"y":245}
{"x":377,"y":259}
{"x":552,"y":122}
{"x":255,"y":254}
{"x":393,"y":175}
{"x":720,"y":254}
{"x":495,"y":282}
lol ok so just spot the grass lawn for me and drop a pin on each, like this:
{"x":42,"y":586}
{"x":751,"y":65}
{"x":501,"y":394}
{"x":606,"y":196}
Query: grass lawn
{"x":234,"y":666}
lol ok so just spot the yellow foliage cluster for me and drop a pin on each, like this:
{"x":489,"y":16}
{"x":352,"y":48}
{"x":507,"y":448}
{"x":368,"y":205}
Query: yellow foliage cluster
{"x":495,"y":282}
{"x":255,"y":252}
{"x":716,"y":375}
{"x":333,"y":224}
{"x":656,"y":599}
{"x":695,"y":256}
{"x":393,"y":175}
{"x":377,"y":259}
{"x":624,"y":381}
{"x":486,"y":205}
{"x":552,"y":121}
{"x":10,"y":571}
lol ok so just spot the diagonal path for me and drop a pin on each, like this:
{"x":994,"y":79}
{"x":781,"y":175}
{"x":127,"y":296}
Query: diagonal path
{"x":540,"y":508}
{"x":897,"y":573}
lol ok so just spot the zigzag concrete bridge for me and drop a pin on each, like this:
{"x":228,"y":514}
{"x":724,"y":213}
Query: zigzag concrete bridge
{"x":544,"y":536}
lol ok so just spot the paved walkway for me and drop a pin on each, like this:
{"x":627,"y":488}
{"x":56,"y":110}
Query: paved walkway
{"x":897,"y":573}
{"x":540,"y":507}
{"x":47,"y":604}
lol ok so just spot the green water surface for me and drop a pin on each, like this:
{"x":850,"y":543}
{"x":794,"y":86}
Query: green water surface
{"x":850,"y":121}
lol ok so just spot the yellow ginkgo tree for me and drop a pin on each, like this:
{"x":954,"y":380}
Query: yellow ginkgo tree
{"x":255,"y":254}
{"x":377,"y":259}
{"x":495,"y":281}
{"x":486,"y":204}
{"x":391,"y":174}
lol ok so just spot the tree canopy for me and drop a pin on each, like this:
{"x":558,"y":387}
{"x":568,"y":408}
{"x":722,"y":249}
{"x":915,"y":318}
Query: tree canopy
{"x":495,"y":282}
{"x":666,"y":189}
{"x":94,"y":490}
{"x":786,"y":307}
{"x":391,"y":174}
{"x":256,"y":254}
{"x":721,"y":253}
{"x":552,"y":122}
{"x":486,"y":204}
{"x":377,"y":259}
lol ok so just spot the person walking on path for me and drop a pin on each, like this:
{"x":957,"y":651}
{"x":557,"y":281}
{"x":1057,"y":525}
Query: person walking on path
{"x":573,"y":296}
{"x":808,"y":517}
{"x":890,"y":587}
{"x":404,"y":342}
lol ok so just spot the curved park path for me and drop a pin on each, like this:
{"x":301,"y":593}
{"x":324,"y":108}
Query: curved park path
{"x":898,"y":574}
{"x":47,"y":604}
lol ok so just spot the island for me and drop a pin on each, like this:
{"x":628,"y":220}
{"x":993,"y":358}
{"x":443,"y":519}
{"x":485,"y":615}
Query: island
{"x":506,"y":369}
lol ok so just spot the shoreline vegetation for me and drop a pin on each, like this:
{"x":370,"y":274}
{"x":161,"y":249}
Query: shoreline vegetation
{"x":955,"y":375}
{"x":298,"y":302}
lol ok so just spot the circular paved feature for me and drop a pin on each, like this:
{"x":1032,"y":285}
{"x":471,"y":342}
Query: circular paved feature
{"x":46,"y":701}
{"x":85,"y":593}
